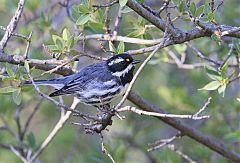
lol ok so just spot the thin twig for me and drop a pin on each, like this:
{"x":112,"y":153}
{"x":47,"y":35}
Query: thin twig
{"x":117,"y":22}
{"x":28,"y":45}
{"x":204,"y":107}
{"x":180,"y":153}
{"x":234,"y":79}
{"x":56,"y":129}
{"x":15,"y":34}
{"x":219,"y":5}
{"x":104,"y":150}
{"x":29,"y":118}
{"x":182,"y":116}
{"x":179,"y":63}
{"x":107,"y":37}
{"x":18,"y":154}
{"x":60,"y":66}
{"x":19,"y":126}
{"x":160,"y":143}
{"x":164,"y":6}
{"x":12,"y":25}
{"x":201,"y":55}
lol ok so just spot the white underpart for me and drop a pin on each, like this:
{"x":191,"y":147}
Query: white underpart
{"x":100,"y":92}
{"x":123,"y":72}
{"x":115,"y":61}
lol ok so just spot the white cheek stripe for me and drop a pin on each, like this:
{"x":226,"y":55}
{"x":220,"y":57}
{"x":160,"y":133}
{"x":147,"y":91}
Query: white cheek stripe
{"x":115,"y":61}
{"x":122,"y":73}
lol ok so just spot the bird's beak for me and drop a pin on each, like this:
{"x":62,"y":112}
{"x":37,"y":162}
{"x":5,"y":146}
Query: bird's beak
{"x":136,"y":61}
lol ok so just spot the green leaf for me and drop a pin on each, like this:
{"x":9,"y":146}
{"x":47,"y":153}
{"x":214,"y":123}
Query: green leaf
{"x":53,"y":48}
{"x":17,"y":73}
{"x":83,"y":19}
{"x":83,"y":9}
{"x":121,"y":48}
{"x":199,"y":11}
{"x":207,"y":9}
{"x":76,"y":39}
{"x":122,"y":3}
{"x":224,"y":68}
{"x":9,"y":70}
{"x":112,"y":47}
{"x":193,"y":8}
{"x":213,"y":73}
{"x":55,"y":38}
{"x":26,"y":65}
{"x":221,"y":89}
{"x":17,"y":98}
{"x":7,"y":90}
{"x":59,"y":44}
{"x":70,"y":42}
{"x":126,"y":10}
{"x":215,"y":77}
{"x":65,"y":34}
{"x":96,"y":27}
{"x":211,"y":16}
{"x":211,"y":86}
{"x":31,"y":140}
{"x":7,"y":78}
{"x":181,"y":7}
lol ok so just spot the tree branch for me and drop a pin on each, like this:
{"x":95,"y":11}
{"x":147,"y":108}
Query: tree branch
{"x":186,"y":130}
{"x":12,"y":25}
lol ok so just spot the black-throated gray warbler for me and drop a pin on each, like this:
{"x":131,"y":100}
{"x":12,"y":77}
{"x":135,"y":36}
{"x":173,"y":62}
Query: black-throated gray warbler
{"x":98,"y":83}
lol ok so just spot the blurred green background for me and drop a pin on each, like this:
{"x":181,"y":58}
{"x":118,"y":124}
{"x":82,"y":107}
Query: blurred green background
{"x":164,"y":84}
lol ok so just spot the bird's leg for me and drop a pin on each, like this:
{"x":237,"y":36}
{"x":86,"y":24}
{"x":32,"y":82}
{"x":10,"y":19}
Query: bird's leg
{"x":104,"y":107}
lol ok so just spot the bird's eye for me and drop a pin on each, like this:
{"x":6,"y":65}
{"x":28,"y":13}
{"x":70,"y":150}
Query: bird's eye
{"x":122,"y":62}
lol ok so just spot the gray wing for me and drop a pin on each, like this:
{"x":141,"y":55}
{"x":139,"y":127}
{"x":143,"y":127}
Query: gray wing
{"x":88,"y":78}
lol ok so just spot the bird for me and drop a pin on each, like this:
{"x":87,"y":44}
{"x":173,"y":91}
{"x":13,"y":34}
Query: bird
{"x":96,"y":84}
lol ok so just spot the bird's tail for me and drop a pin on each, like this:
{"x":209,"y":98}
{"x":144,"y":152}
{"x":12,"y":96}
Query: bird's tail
{"x":56,"y":83}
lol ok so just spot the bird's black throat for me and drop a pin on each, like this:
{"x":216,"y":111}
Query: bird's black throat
{"x":127,"y":78}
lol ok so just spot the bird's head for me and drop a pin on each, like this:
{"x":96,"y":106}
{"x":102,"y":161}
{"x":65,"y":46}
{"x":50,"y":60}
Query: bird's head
{"x":121,"y":64}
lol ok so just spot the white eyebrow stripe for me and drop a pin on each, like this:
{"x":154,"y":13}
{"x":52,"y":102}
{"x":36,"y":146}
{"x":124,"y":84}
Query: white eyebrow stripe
{"x":122,"y":73}
{"x":115,"y":61}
